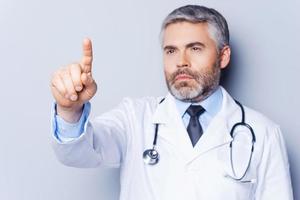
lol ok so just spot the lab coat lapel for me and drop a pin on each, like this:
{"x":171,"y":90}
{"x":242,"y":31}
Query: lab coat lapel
{"x":171,"y":127}
{"x":218,"y":131}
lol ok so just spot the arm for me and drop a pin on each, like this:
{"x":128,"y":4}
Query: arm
{"x":102,"y":141}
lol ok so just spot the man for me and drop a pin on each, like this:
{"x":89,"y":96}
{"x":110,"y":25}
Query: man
{"x":196,"y":154}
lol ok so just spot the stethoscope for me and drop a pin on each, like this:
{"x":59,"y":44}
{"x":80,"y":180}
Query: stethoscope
{"x":151,"y":156}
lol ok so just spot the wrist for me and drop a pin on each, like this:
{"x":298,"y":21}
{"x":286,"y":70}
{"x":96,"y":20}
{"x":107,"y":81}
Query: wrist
{"x":70,"y":114}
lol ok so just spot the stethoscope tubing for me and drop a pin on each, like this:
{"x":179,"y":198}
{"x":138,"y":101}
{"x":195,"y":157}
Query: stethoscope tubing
{"x":151,"y":156}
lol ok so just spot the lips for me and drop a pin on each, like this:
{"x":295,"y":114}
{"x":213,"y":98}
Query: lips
{"x":183,"y":77}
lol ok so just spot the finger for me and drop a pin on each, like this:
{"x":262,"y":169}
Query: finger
{"x":87,"y":58}
{"x":75,"y":71}
{"x":68,"y":83}
{"x":59,"y":86}
{"x":60,"y":100}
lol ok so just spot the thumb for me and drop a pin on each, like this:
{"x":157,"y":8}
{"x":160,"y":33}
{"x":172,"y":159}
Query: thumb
{"x":90,"y":86}
{"x":87,"y":79}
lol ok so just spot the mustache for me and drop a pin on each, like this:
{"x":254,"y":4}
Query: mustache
{"x":184,"y":71}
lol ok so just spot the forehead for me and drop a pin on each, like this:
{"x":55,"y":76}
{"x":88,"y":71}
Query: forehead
{"x":181,"y":33}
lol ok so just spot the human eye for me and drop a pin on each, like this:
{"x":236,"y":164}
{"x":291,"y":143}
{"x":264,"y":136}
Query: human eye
{"x":196,"y":48}
{"x":170,"y":51}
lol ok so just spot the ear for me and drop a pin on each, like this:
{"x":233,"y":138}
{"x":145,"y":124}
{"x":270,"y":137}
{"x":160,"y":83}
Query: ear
{"x":225,"y":57}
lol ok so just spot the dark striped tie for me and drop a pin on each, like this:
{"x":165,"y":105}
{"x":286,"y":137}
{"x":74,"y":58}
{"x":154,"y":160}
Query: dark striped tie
{"x":194,"y":128}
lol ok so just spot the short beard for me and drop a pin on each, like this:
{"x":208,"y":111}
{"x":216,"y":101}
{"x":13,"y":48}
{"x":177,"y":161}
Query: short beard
{"x":206,"y":84}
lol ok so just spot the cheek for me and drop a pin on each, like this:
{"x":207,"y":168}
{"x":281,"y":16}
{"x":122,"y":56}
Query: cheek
{"x":205,"y":59}
{"x":199,"y":61}
{"x":167,"y":74}
{"x":169,"y":61}
{"x":169,"y":66}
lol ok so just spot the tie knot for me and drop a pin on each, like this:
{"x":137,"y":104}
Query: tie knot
{"x":194,"y":111}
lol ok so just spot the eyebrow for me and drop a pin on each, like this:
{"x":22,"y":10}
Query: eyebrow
{"x":195,"y":44}
{"x":192,"y":44}
{"x":169,"y":47}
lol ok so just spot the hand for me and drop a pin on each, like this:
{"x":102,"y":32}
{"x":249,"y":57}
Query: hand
{"x":73,"y":85}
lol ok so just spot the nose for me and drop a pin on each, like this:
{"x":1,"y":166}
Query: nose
{"x":183,"y":60}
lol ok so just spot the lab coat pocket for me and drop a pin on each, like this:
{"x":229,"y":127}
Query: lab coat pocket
{"x":242,"y":189}
{"x":238,"y":189}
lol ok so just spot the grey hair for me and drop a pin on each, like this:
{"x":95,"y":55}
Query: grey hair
{"x":217,"y":25}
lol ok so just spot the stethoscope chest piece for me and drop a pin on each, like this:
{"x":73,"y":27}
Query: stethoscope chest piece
{"x":150,"y":156}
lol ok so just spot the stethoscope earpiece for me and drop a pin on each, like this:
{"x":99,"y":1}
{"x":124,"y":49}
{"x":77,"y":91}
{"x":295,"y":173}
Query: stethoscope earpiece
{"x":150,"y":156}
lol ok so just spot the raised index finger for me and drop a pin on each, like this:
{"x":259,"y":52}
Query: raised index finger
{"x":87,"y":58}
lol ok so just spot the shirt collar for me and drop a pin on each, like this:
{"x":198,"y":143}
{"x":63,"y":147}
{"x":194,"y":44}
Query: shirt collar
{"x":211,"y":104}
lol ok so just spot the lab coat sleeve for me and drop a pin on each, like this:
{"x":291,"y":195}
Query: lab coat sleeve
{"x":274,"y":175}
{"x":102,"y":143}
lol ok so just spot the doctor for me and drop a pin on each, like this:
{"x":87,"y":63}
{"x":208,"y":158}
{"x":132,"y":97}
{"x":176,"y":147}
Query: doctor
{"x":198,"y":157}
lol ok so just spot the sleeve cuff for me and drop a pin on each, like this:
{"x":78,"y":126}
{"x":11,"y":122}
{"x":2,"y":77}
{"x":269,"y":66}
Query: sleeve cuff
{"x":65,"y":131}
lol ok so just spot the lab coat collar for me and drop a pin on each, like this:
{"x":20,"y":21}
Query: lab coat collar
{"x":217,"y":134}
{"x":161,"y":115}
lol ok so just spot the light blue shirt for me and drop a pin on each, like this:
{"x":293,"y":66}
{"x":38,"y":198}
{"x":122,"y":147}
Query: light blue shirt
{"x":65,"y":131}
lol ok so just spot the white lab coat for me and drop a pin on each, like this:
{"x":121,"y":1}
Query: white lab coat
{"x":119,"y":137}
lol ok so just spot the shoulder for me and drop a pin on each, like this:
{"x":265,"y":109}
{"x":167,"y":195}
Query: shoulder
{"x":140,"y":104}
{"x":130,"y":109}
{"x":252,"y":117}
{"x":258,"y":118}
{"x":266,"y":130}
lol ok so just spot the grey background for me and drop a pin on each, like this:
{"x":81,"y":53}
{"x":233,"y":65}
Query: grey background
{"x":37,"y":37}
